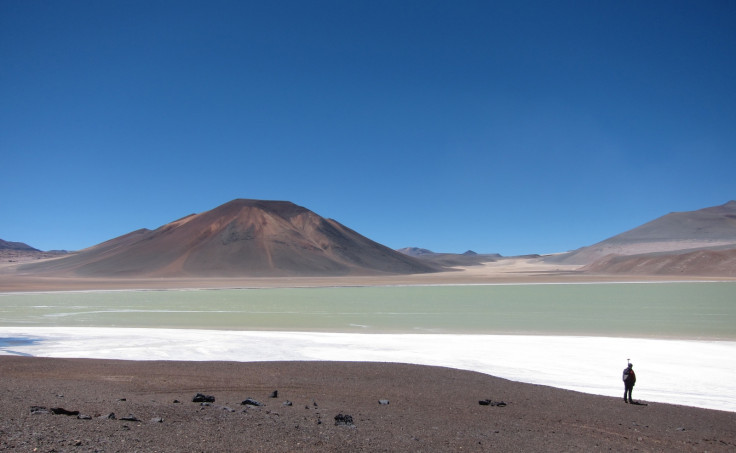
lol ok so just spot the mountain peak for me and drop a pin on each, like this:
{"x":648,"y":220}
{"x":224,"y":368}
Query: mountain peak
{"x":244,"y":238}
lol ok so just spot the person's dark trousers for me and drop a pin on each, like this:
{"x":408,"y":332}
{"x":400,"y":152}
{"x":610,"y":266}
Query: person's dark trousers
{"x":627,"y":393}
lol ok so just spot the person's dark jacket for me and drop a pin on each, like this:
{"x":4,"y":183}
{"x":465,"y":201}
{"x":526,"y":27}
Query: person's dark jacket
{"x":629,"y":377}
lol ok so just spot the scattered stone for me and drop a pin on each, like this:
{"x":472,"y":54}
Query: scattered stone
{"x":492,"y":403}
{"x":287,"y":403}
{"x":680,"y":429}
{"x":225,"y":408}
{"x":122,"y":399}
{"x":341,"y":419}
{"x":251,"y":402}
{"x":84,"y":417}
{"x":130,"y":418}
{"x":110,"y":416}
{"x":177,"y":401}
{"x":157,"y":420}
{"x":39,"y":410}
{"x":62,"y":411}
{"x":202,"y":398}
{"x":383,"y":402}
{"x":275,"y":394}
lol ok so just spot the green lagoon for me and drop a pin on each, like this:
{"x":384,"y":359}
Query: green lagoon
{"x":702,"y":310}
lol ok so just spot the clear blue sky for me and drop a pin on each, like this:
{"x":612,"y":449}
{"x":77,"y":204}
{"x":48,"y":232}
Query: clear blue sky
{"x":512,"y":127}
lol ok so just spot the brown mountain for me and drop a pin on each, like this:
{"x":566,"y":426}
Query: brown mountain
{"x":711,"y":228}
{"x":711,"y":263}
{"x":240,"y":238}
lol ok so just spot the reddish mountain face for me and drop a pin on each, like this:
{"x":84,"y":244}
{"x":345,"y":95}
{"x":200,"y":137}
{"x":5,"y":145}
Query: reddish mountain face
{"x":240,"y":238}
{"x":712,"y":263}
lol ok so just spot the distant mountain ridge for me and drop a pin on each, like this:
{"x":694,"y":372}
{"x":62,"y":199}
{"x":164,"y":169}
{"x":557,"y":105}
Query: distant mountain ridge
{"x":6,"y":245}
{"x":444,"y":260}
{"x":415,"y":251}
{"x":243,"y":237}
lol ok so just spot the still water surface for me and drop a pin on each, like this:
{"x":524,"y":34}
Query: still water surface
{"x":656,"y":310}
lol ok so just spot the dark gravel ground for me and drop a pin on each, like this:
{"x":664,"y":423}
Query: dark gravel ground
{"x":325,"y":406}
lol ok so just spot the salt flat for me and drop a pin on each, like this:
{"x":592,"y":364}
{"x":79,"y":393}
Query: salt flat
{"x":687,"y":372}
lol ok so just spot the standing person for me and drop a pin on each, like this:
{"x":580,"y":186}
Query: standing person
{"x":629,"y":381}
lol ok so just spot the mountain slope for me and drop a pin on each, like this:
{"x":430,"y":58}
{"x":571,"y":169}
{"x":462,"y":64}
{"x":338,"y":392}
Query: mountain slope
{"x":712,"y":263}
{"x":18,"y":246}
{"x":239,"y":238}
{"x":709,"y":228}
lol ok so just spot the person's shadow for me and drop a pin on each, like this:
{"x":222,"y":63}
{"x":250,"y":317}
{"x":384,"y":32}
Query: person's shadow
{"x":638,"y":403}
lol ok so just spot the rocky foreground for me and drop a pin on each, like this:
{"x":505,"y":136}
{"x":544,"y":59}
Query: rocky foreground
{"x":81,"y":405}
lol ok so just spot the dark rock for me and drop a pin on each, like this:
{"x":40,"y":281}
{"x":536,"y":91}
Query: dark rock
{"x":39,"y":410}
{"x":288,"y":403}
{"x":492,"y":403}
{"x":383,"y":402}
{"x":341,"y":419}
{"x":251,"y":402}
{"x":177,"y":401}
{"x":130,"y":418}
{"x":202,"y":398}
{"x":110,"y":416}
{"x":275,"y":394}
{"x":62,"y":411}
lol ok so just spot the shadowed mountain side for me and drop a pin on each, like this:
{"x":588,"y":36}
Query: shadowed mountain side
{"x":240,"y":238}
{"x":710,"y":228}
{"x":720,"y":263}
